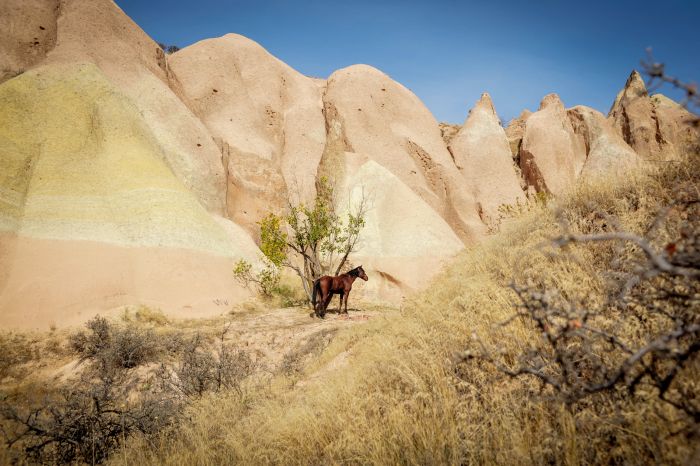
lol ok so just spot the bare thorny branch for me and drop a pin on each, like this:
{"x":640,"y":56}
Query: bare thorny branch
{"x":585,"y":348}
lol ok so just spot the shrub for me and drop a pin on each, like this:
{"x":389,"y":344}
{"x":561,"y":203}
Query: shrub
{"x":632,"y":335}
{"x":266,"y":279}
{"x":145,"y":315}
{"x":83,"y":422}
{"x":15,"y":350}
{"x":200,"y":370}
{"x":85,"y":419}
{"x":114,"y":347}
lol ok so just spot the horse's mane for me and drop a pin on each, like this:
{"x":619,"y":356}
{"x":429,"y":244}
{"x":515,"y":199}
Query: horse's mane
{"x":355,"y":272}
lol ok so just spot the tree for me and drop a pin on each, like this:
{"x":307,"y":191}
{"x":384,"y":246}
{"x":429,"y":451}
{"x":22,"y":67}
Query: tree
{"x":313,"y":240}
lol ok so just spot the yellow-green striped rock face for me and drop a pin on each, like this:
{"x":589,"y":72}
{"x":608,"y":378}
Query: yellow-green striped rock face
{"x":77,"y":162}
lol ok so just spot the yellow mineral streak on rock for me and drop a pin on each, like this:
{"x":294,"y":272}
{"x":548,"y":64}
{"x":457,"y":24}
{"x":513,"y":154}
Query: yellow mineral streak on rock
{"x":78,"y":162}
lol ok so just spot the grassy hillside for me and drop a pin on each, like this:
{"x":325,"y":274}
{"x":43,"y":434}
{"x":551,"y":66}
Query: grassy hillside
{"x":407,"y":389}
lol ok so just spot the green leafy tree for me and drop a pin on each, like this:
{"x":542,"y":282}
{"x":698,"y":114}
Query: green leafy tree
{"x":312,"y":240}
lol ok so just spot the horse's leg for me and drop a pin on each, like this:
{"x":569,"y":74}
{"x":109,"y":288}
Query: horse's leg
{"x":340,"y":304}
{"x":347,"y":295}
{"x":326,"y":302}
{"x":321,"y":304}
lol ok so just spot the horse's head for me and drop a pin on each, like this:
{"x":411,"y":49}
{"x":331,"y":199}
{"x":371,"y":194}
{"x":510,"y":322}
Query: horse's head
{"x":361,"y":273}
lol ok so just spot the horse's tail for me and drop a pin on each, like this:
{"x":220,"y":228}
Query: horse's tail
{"x":315,"y":291}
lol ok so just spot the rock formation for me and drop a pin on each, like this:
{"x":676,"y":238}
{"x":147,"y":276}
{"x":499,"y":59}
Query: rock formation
{"x":561,"y":146}
{"x":405,"y":240}
{"x":482,"y":154}
{"x":634,"y":117}
{"x":266,"y":118}
{"x":551,"y":157}
{"x":676,"y":125}
{"x":654,"y":126}
{"x":91,"y":215}
{"x":515,"y":131}
{"x":27,"y":34}
{"x":367,"y":113}
{"x":98,"y":32}
{"x":606,"y":152}
{"x":128,"y":176}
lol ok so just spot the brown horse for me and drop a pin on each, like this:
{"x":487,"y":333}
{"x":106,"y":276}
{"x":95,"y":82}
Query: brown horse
{"x":327,"y":286}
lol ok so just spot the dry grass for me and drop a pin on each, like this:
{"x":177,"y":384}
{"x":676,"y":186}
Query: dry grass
{"x":145,"y":315}
{"x":401,"y":398}
{"x":22,"y":354}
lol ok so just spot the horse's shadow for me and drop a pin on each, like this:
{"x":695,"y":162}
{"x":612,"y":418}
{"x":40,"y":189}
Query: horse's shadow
{"x":336,"y":311}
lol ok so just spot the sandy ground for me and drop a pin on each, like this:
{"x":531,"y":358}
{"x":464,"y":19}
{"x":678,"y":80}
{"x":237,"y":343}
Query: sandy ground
{"x":65,"y":283}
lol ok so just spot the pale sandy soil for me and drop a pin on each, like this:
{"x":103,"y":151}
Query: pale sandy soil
{"x":274,"y":334}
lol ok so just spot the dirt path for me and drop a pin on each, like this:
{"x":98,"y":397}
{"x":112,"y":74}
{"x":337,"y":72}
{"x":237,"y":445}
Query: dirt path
{"x":285,"y":337}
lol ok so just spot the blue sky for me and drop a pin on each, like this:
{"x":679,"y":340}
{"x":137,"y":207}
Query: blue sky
{"x":448,"y":52}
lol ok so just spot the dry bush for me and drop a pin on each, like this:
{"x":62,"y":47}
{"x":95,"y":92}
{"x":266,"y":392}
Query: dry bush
{"x":117,"y":394}
{"x":587,"y":347}
{"x":113,"y":346}
{"x":82,"y":422}
{"x":15,"y":350}
{"x":200,"y":370}
{"x":145,"y":315}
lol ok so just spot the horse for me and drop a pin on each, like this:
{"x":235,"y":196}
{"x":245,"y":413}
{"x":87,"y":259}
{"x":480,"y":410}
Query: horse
{"x":327,"y":286}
